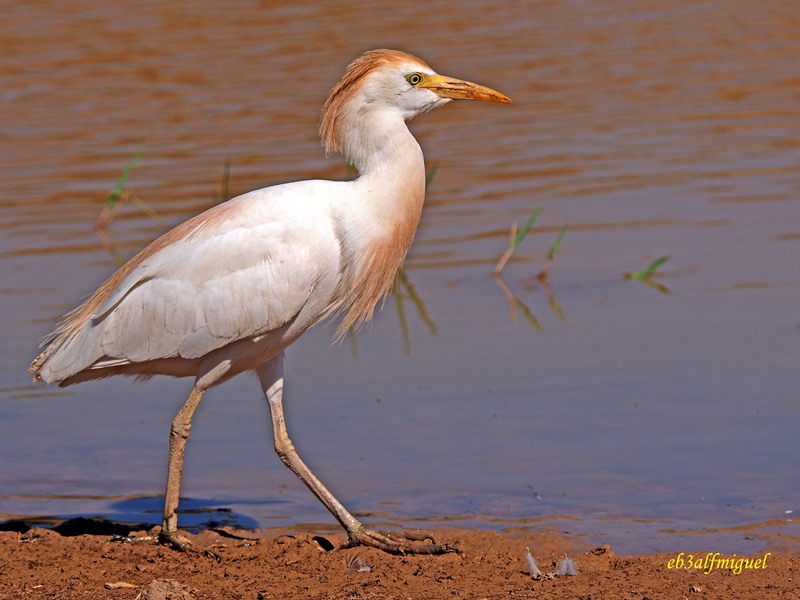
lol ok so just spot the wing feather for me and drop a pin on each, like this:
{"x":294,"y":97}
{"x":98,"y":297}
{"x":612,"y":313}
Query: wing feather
{"x":235,"y":272}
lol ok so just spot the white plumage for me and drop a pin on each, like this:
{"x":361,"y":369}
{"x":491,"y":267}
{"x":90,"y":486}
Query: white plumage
{"x":241,"y":270}
{"x":228,"y":290}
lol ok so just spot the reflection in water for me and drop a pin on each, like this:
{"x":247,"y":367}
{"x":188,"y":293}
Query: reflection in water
{"x":514,"y":240}
{"x":646,"y":275}
{"x":515,"y":303}
{"x":401,"y":290}
{"x":657,"y":286}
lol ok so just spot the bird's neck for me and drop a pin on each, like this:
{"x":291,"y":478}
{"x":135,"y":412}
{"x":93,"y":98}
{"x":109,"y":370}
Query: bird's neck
{"x":391,"y":180}
{"x":380,"y":140}
{"x":390,"y":192}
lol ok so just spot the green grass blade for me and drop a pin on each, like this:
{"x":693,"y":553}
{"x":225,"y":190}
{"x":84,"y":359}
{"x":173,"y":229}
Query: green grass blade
{"x":526,"y":228}
{"x":431,"y":173}
{"x":557,"y":244}
{"x":123,"y":179}
{"x":651,"y":268}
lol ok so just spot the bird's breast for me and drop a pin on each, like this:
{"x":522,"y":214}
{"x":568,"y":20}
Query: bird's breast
{"x":377,"y":248}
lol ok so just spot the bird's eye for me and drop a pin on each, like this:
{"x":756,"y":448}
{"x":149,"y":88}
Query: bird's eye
{"x":414,"y":78}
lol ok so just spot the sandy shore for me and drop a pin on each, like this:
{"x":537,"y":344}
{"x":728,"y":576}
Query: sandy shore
{"x":42,"y":563}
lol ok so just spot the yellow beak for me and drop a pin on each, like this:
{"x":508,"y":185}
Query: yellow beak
{"x":456,"y":89}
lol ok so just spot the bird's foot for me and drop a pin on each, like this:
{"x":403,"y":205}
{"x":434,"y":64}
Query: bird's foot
{"x":403,"y":542}
{"x":174,"y":540}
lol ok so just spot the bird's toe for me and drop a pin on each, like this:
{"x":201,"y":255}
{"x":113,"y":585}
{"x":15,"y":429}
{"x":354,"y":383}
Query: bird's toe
{"x":402,"y":542}
{"x":175,"y":540}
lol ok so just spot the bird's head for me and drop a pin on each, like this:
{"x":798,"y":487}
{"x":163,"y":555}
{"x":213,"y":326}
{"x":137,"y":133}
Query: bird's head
{"x":390,"y":81}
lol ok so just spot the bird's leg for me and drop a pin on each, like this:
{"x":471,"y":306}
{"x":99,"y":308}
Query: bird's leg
{"x":271,"y":376}
{"x":178,"y":435}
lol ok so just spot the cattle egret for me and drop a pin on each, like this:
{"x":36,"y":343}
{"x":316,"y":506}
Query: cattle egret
{"x":228,"y":290}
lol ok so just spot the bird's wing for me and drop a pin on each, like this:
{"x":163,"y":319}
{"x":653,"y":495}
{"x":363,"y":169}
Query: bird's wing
{"x":202,"y":294}
{"x":237,"y":271}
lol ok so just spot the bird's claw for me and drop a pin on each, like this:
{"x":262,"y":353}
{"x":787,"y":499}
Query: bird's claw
{"x":174,"y":540}
{"x":404,"y":542}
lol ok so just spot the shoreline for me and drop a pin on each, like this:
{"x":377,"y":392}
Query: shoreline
{"x":269,"y":563}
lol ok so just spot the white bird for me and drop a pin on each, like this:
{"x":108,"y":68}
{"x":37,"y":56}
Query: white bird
{"x":228,"y":290}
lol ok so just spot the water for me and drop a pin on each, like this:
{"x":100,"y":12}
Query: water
{"x":621,"y":414}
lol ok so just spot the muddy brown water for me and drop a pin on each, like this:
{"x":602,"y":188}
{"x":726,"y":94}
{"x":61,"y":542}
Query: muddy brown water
{"x":651,"y":419}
